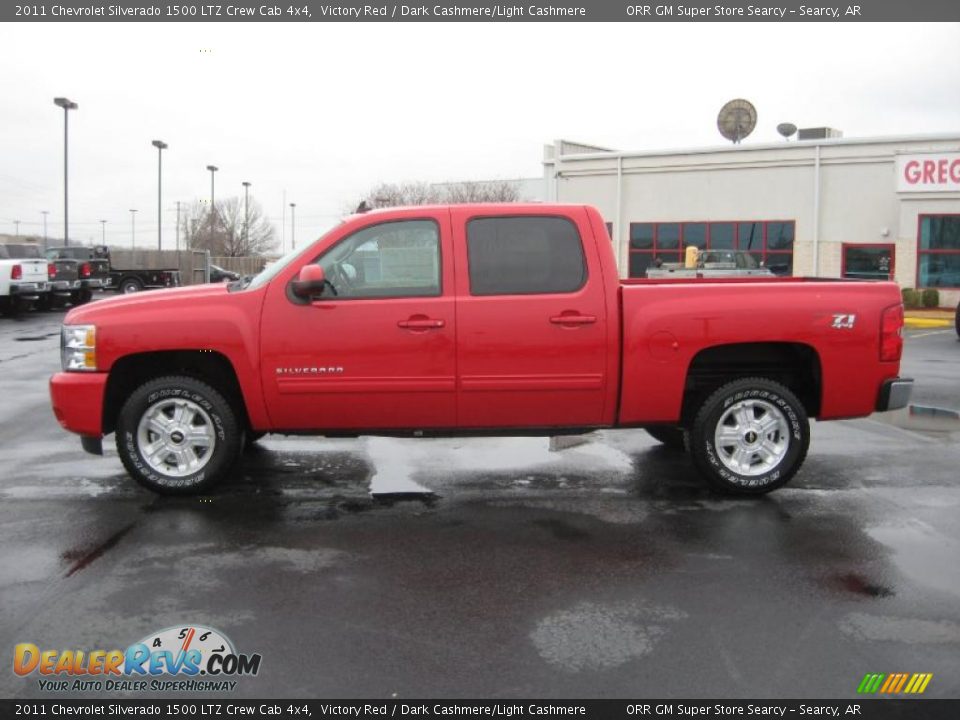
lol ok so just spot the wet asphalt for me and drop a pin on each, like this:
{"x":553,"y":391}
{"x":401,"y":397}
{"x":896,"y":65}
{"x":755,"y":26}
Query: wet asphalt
{"x":498,"y":567}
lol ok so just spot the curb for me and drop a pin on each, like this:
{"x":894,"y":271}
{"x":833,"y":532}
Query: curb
{"x":926,"y":323}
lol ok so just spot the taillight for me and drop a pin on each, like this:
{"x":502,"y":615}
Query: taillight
{"x":16,"y":272}
{"x":891,"y":340}
{"x":51,"y":270}
{"x":85,"y":270}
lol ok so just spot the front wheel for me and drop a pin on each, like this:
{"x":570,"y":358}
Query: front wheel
{"x":178,"y":436}
{"x":750,"y":437}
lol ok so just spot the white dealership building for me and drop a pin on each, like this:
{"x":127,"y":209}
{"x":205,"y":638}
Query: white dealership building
{"x":828,"y":206}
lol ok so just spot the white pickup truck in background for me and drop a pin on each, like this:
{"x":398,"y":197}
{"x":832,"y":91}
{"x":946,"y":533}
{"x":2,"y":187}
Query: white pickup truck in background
{"x":23,"y":281}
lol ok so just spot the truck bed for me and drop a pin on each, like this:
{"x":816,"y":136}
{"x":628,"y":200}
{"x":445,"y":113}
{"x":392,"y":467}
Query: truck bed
{"x":667,"y":323}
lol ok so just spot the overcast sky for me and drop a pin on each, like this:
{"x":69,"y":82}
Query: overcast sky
{"x":324,"y":111}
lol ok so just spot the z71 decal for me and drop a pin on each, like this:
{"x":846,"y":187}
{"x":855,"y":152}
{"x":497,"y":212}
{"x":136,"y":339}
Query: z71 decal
{"x":844,"y":322}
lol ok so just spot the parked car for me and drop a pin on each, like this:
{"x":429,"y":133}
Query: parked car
{"x":477,"y":319}
{"x":93,"y":268}
{"x":218,"y":274}
{"x":713,"y":263}
{"x":23,"y":281}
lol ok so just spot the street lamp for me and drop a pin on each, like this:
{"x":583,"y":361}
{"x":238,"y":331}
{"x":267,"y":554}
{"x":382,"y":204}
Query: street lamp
{"x":246,"y":210}
{"x":293,"y":225}
{"x":133,"y":229}
{"x":67,"y":106}
{"x":44,"y":213}
{"x":103,"y":232}
{"x":212,"y":169}
{"x":16,"y":225}
{"x":160,"y":145}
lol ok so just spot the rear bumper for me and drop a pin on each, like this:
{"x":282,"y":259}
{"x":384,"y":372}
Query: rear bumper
{"x":894,"y":394}
{"x":77,"y":400}
{"x":94,"y":283}
{"x":29,"y":289}
{"x":64,"y":287}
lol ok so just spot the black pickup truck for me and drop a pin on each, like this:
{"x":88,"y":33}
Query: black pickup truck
{"x":93,"y":269}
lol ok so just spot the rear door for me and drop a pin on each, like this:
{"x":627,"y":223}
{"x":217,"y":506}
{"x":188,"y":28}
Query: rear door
{"x":531,"y":319}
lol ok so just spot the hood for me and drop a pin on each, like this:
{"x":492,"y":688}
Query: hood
{"x":178,"y":297}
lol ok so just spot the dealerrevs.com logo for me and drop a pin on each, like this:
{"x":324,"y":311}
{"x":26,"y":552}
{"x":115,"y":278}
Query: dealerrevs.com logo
{"x":184,"y":658}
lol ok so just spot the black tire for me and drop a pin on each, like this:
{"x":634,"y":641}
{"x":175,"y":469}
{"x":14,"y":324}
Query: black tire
{"x":671,"y":437}
{"x":44,"y":302}
{"x":769,"y":470}
{"x":218,"y":419}
{"x":128,"y":286}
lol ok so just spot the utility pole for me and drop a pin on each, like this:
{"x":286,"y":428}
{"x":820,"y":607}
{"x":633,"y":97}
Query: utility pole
{"x":178,"y":232}
{"x":293,"y":226}
{"x":213,"y":207}
{"x":44,"y":213}
{"x":67,"y":106}
{"x":103,"y":232}
{"x":160,"y":145}
{"x":16,"y":225}
{"x":133,"y":229}
{"x":246,"y":214}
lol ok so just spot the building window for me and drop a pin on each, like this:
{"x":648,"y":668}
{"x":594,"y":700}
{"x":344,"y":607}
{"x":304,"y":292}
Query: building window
{"x":938,"y":262}
{"x":868,"y":262}
{"x":769,"y":242}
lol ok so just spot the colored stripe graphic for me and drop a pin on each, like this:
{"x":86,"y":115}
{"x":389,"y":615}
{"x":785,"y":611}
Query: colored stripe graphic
{"x":894,"y":683}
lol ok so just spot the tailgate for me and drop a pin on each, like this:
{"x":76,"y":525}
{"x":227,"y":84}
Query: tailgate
{"x":33,"y":270}
{"x":66,"y":270}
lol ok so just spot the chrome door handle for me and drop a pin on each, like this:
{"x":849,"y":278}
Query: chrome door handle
{"x":573,"y":319}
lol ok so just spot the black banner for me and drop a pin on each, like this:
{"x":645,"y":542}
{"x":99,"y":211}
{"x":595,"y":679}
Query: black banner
{"x":205,"y":707}
{"x":481,"y":11}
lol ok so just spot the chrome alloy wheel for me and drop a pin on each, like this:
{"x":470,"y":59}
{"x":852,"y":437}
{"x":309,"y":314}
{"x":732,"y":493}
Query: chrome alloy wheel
{"x":176,"y":437}
{"x":752,"y":437}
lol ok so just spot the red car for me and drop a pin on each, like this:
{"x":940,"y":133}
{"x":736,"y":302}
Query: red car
{"x":477,"y":319}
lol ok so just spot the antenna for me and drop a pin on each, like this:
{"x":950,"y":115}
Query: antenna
{"x":787,"y":130}
{"x":737,"y":119}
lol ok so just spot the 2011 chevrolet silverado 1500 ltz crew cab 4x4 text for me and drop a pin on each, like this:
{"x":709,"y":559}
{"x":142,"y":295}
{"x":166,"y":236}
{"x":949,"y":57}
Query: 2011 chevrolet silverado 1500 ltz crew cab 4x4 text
{"x":477,"y":319}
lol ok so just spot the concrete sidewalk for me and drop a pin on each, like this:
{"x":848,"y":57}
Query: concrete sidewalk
{"x":939,"y":318}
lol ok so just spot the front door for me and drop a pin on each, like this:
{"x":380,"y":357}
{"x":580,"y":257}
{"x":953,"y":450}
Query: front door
{"x":377,"y":349}
{"x":532,"y":321}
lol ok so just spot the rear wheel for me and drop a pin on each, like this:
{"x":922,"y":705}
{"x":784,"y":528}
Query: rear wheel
{"x":178,"y":435}
{"x":671,"y":437}
{"x":750,"y":437}
{"x":130,"y":285}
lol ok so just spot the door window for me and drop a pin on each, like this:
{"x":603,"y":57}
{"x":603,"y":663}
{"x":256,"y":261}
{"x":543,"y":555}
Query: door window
{"x":524,"y":256}
{"x":393,"y":259}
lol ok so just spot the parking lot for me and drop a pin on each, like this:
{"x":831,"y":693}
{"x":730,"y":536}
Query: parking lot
{"x":499,"y":567}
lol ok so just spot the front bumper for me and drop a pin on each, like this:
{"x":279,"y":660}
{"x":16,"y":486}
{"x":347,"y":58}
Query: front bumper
{"x":77,"y":399}
{"x":894,"y":394}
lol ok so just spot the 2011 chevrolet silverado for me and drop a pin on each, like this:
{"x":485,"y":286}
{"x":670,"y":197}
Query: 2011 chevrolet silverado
{"x":476,"y":319}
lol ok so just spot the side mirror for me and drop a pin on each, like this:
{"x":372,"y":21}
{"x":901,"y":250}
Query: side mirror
{"x":309,"y":282}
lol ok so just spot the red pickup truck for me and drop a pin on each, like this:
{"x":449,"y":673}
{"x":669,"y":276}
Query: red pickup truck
{"x":476,"y":319}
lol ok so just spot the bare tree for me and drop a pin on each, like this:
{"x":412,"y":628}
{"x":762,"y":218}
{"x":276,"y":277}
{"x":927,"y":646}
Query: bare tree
{"x":223,"y":232}
{"x":421,"y":193}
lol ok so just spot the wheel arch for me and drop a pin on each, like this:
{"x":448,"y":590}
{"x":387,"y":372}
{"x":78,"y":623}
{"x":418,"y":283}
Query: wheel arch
{"x":794,"y":365}
{"x":131,"y":371}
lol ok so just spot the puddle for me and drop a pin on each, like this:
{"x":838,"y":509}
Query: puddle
{"x":924,"y":419}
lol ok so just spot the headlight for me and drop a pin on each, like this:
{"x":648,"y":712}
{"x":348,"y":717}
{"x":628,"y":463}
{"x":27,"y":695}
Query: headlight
{"x":78,"y":347}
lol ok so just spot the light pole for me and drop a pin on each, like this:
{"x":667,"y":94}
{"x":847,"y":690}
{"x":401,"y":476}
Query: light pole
{"x":212,"y":169}
{"x":103,"y":232}
{"x":16,"y":225}
{"x":133,"y":229}
{"x":160,"y":145}
{"x":67,"y":106}
{"x":44,"y":213}
{"x":293,"y":226}
{"x":246,"y":212}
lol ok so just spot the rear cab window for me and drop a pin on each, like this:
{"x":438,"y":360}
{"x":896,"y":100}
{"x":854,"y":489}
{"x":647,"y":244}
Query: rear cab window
{"x":524,"y":255}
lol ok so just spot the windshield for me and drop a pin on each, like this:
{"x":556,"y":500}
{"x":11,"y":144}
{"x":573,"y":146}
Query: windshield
{"x":272,"y":270}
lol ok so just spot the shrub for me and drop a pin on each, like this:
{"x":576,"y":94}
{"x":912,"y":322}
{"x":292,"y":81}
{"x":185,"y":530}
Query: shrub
{"x":931,"y":298}
{"x":911,"y":298}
